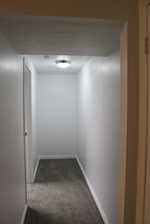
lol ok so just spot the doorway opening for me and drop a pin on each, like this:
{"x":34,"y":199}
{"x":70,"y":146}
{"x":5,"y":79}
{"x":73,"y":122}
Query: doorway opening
{"x":75,"y":108}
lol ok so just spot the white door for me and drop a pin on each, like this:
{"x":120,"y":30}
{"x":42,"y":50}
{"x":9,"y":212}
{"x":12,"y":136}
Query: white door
{"x":27,"y":124}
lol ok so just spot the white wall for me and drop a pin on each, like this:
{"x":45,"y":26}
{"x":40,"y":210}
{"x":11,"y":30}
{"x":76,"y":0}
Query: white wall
{"x":99,"y":129}
{"x":12,"y":173}
{"x":57,"y":114}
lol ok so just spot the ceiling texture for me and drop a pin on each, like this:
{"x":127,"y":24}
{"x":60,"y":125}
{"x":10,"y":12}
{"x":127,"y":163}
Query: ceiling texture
{"x":38,"y":36}
{"x":60,"y":35}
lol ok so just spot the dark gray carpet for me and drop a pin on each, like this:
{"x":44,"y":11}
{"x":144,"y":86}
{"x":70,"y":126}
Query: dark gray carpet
{"x":60,"y":195}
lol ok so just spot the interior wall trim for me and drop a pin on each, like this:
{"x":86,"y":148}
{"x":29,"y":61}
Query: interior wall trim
{"x":98,"y":204}
{"x":24,"y":214}
{"x":63,"y":156}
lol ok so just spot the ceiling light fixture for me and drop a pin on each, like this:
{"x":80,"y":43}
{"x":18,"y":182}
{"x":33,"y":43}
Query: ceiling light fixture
{"x":63,"y":63}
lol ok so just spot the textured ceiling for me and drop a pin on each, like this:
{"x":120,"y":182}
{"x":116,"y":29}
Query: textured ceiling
{"x":61,"y":36}
{"x":48,"y":65}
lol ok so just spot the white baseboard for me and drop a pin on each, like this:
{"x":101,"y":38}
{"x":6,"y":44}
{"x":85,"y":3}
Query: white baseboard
{"x":104,"y":217}
{"x":35,"y":170}
{"x":24,"y":214}
{"x":65,"y":156}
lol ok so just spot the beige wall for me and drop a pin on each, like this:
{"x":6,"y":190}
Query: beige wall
{"x":116,"y":9}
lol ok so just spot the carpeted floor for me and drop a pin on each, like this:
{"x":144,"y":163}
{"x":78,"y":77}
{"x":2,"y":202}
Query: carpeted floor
{"x":60,"y":195}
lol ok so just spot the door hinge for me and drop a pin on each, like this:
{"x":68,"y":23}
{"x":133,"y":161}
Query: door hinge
{"x":146,"y":45}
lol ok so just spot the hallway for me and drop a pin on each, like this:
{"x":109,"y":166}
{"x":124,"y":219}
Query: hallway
{"x":101,"y":106}
{"x":60,"y":195}
{"x":65,"y":97}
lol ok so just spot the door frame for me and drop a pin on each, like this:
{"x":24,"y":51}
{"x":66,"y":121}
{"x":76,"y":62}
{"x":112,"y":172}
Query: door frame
{"x":28,"y":155}
{"x":124,"y":124}
{"x":143,"y":113}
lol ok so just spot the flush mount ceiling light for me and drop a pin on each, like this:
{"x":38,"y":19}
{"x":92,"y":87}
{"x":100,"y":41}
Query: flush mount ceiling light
{"x":63,"y":63}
